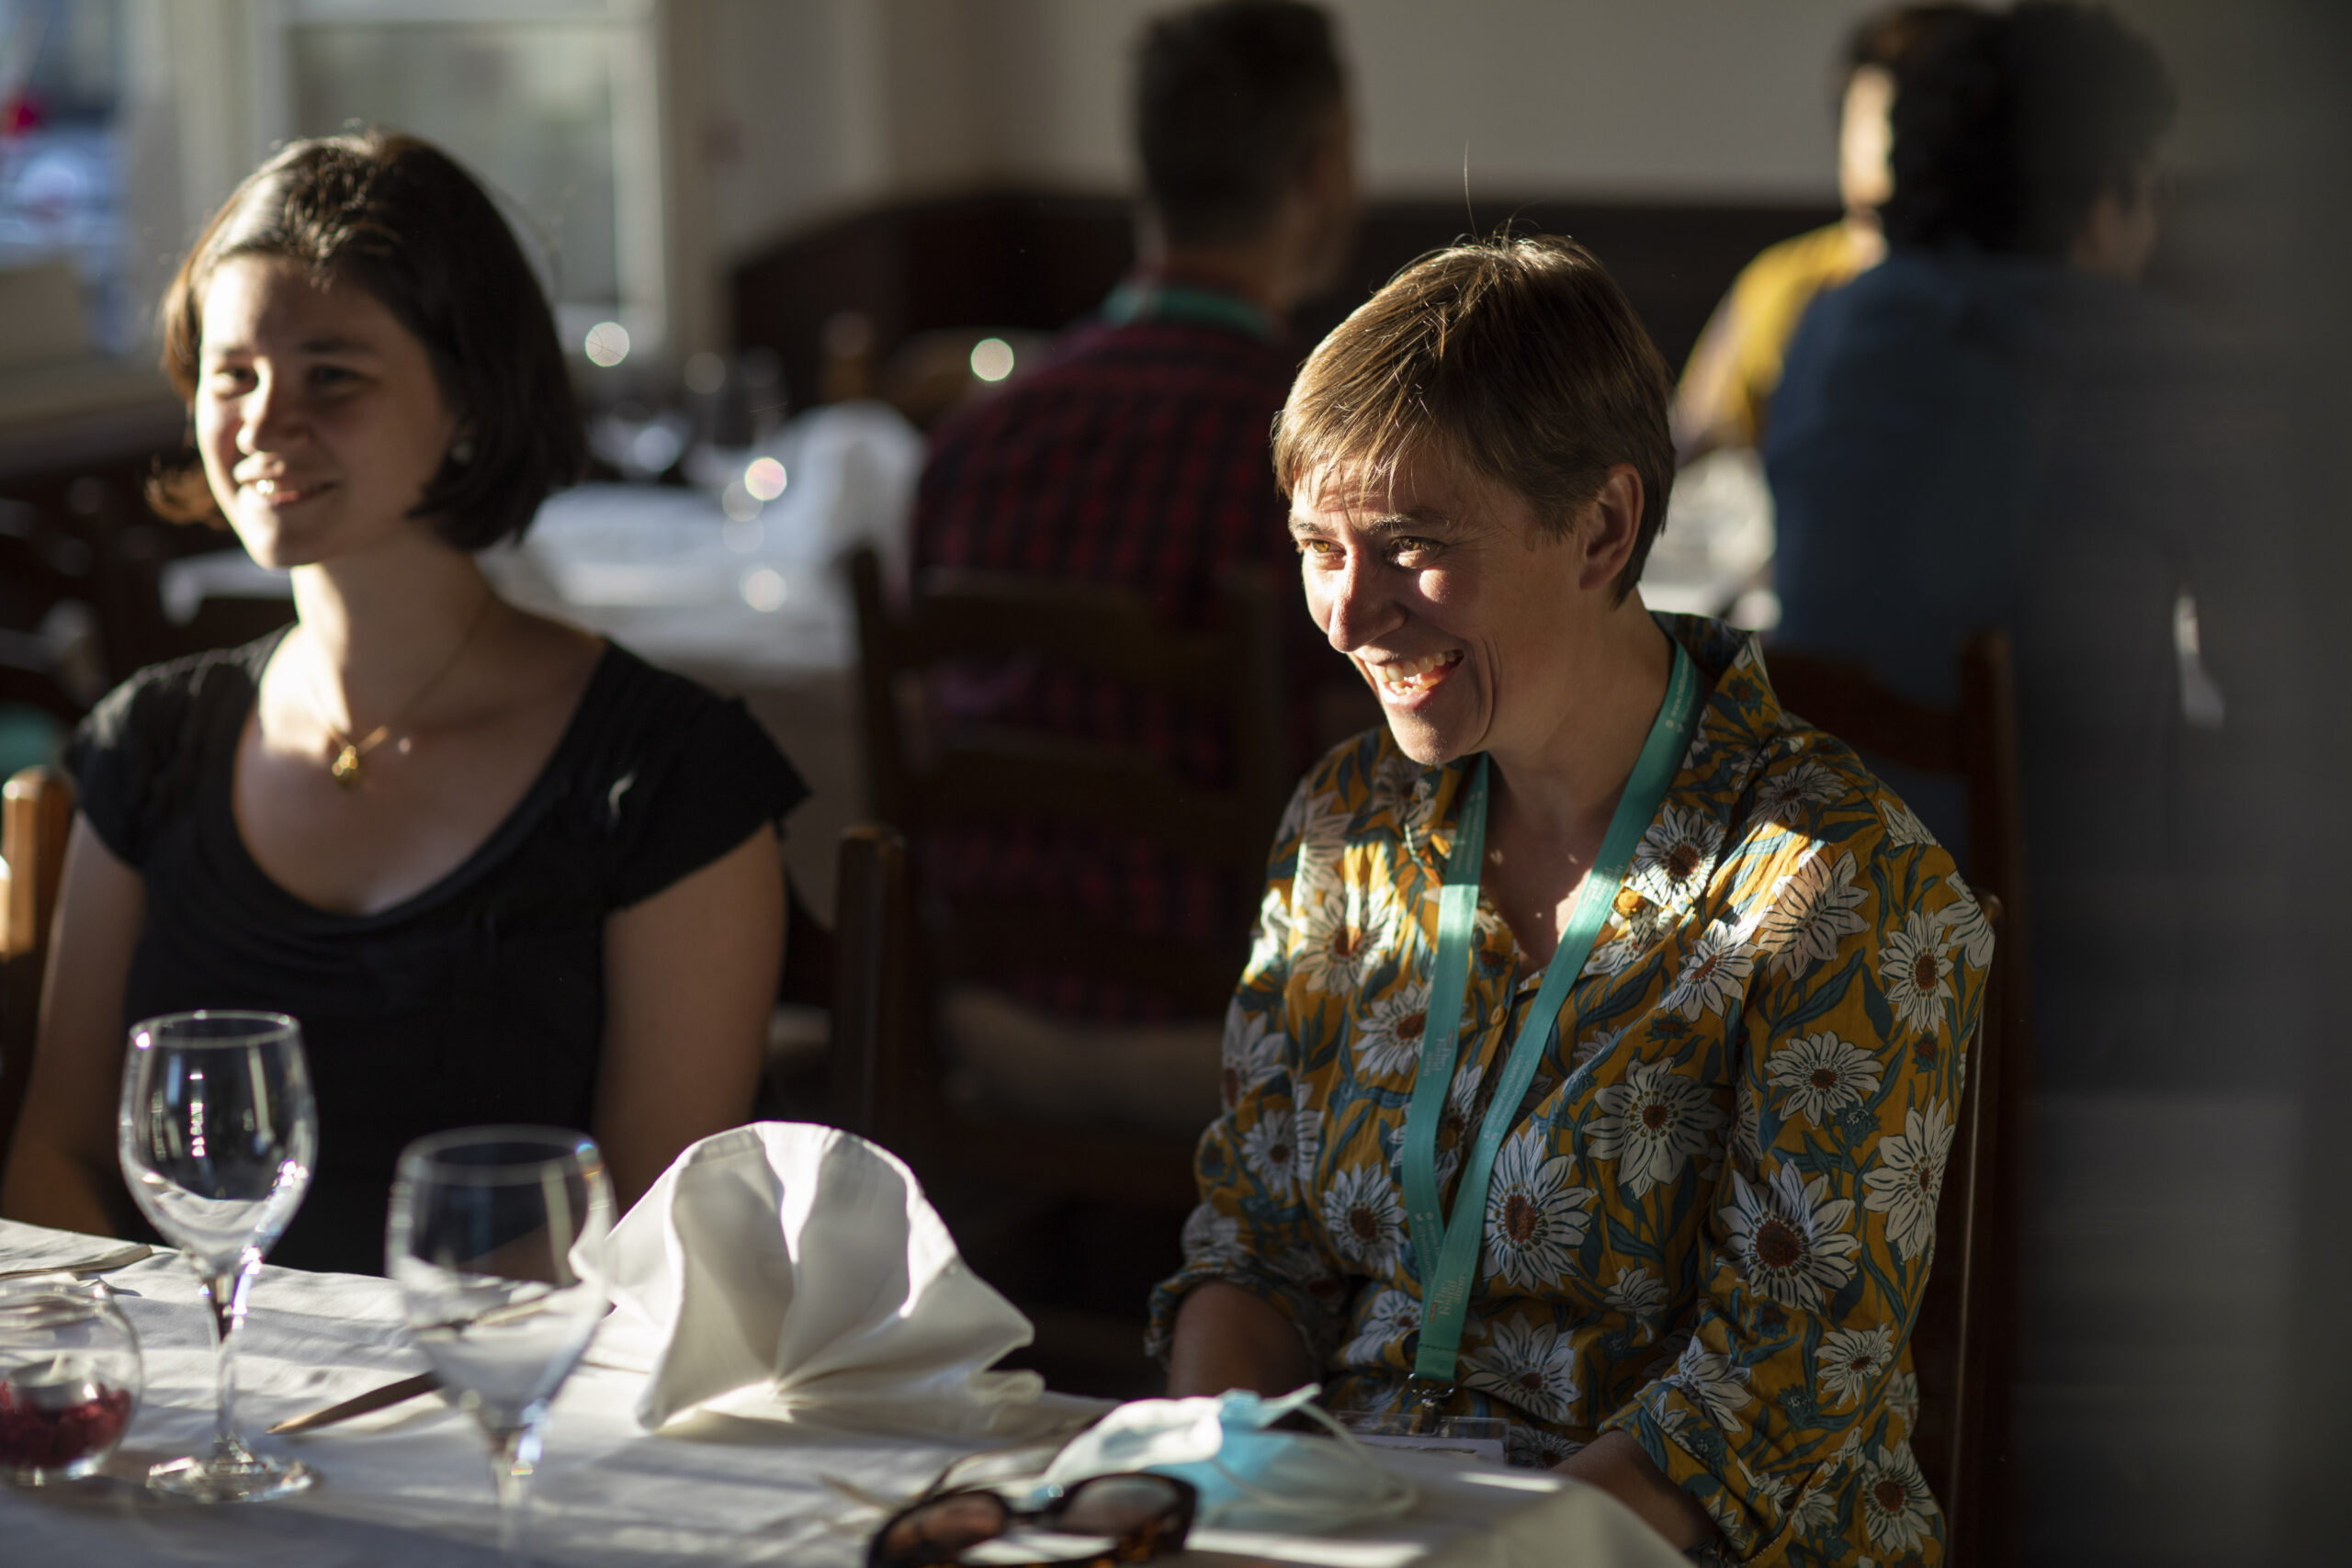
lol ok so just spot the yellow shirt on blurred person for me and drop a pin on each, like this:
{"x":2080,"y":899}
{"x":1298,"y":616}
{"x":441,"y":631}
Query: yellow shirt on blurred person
{"x":1727,"y":391}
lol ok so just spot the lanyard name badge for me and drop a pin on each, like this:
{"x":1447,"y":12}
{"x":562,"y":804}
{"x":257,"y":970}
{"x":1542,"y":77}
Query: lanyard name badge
{"x":1446,"y":1255}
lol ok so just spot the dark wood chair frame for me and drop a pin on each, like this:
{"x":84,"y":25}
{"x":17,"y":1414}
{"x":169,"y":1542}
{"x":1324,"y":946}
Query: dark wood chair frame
{"x":36,"y":818}
{"x":1963,"y":1343}
{"x":917,"y":949}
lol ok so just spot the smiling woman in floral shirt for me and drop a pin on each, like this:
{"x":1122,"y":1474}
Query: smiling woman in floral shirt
{"x":1709,"y":1222}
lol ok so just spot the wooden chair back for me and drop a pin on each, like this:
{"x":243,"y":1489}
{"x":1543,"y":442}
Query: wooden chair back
{"x":883,"y":1077}
{"x":873,"y":939}
{"x":901,"y":951}
{"x":36,"y":817}
{"x":1963,"y":1343}
{"x":924,"y":784}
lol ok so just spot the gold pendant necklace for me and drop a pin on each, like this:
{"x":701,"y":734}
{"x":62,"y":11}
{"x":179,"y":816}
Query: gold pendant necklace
{"x":344,"y":769}
{"x":348,"y":768}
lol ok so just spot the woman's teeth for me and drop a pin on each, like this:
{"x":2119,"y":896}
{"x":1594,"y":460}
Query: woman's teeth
{"x":1407,"y":675}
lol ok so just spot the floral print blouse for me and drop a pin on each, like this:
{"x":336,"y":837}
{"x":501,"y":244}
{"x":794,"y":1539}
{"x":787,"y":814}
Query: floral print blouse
{"x":1712,"y":1224}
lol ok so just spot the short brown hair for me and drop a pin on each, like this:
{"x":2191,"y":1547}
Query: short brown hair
{"x":1519,"y":359}
{"x":397,"y":216}
{"x":1230,"y":102}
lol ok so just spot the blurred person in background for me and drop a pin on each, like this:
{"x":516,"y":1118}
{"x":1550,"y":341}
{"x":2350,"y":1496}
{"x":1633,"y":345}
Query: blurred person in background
{"x":1727,"y":389}
{"x":1137,"y":456}
{"x":1999,"y":427}
{"x":498,"y":869}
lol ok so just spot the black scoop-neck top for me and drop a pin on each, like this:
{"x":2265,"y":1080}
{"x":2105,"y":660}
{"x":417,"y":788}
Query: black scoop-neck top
{"x":480,"y":998}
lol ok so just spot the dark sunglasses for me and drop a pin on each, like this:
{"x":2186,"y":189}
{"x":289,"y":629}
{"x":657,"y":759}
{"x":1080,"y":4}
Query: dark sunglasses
{"x":1103,"y":1520}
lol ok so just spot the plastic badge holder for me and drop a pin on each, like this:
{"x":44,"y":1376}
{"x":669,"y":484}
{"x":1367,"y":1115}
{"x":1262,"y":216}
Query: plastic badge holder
{"x":1472,"y":1436}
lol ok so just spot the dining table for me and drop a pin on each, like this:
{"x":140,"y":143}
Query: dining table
{"x":411,"y":1484}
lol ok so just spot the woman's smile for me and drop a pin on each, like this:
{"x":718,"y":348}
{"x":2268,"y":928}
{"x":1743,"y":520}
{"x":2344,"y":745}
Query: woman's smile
{"x":1401,"y":681}
{"x":281,"y":493}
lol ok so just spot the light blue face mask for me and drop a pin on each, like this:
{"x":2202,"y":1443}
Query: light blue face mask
{"x":1247,"y":1476}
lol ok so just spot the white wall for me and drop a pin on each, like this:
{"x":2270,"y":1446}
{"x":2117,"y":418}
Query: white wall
{"x":819,"y":105}
{"x":814,"y":106}
{"x":1665,"y":98}
{"x":781,"y":113}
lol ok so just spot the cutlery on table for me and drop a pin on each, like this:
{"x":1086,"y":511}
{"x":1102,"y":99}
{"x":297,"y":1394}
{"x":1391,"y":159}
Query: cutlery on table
{"x":375,"y":1399}
{"x":106,"y":1262}
{"x":393,"y":1393}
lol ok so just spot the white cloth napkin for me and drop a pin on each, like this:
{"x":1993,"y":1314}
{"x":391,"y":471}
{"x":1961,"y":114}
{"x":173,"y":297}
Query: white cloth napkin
{"x":794,"y":1272}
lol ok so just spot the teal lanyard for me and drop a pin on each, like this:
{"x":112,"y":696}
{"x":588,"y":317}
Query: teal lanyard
{"x":1139,"y":299}
{"x":1447,"y":1255}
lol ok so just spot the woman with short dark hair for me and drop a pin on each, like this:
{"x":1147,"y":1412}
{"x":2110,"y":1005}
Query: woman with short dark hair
{"x":500,"y":870}
{"x":1598,"y":1056}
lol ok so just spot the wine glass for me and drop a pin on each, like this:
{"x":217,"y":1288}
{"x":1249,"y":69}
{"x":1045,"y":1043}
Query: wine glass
{"x":480,"y":1240}
{"x":218,"y":1135}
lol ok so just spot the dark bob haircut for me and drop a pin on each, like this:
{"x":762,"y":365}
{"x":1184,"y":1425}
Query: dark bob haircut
{"x":1889,"y":38}
{"x":1518,"y":359}
{"x":397,"y":216}
{"x":1230,"y":99}
{"x":2008,"y":129}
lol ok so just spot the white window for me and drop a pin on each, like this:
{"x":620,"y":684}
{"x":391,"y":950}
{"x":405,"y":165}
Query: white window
{"x":554,"y":105}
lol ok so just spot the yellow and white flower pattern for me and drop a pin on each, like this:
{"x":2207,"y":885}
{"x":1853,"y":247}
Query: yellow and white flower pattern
{"x":1714,"y":1219}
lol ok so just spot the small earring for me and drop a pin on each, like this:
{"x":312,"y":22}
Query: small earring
{"x":462,"y":449}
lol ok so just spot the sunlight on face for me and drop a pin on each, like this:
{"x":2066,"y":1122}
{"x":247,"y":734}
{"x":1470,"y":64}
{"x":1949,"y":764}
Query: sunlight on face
{"x":1448,"y":596}
{"x":1866,"y":138}
{"x":318,"y":415}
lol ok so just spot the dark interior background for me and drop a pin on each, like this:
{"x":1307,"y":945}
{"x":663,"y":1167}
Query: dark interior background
{"x":1037,"y":261}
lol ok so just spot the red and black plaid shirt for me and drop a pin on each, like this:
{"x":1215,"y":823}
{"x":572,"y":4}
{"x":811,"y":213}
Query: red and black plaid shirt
{"x":1137,"y":457}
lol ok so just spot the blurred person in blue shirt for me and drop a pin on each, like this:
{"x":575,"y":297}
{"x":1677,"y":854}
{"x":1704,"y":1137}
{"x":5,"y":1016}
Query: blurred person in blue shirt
{"x":2000,"y":427}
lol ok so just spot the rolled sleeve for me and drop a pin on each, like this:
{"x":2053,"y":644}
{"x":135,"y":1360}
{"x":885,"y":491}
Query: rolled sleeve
{"x":1254,"y":1227}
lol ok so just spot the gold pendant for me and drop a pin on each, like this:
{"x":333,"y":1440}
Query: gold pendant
{"x":344,"y":769}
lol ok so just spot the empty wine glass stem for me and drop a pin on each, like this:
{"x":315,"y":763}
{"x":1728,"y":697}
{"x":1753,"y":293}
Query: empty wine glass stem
{"x":515,"y":1453}
{"x":226,"y":1295}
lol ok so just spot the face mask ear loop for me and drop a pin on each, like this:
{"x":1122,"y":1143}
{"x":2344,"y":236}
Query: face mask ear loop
{"x":1397,"y":1495}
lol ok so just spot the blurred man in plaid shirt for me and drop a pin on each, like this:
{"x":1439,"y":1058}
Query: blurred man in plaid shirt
{"x":1138,"y":454}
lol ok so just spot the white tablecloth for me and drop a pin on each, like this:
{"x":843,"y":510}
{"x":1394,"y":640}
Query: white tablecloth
{"x":410,"y":1486}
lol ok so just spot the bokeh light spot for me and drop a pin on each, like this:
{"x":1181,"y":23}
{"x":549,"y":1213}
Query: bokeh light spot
{"x":992,"y":359}
{"x":607,"y":343}
{"x":763,"y":587}
{"x":764,"y":478}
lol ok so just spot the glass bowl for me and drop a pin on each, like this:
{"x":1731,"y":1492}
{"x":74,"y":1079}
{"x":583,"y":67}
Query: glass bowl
{"x":69,"y":1379}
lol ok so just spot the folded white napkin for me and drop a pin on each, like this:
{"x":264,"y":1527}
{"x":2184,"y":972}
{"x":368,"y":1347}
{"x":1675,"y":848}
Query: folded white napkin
{"x":795,"y":1272}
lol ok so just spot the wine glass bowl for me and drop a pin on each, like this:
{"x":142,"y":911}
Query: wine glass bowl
{"x":217,"y":1135}
{"x":69,"y":1379}
{"x":481,"y":1240}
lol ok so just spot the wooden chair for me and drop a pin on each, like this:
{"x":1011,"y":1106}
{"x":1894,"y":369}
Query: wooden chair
{"x":979,"y":776}
{"x":1035,"y":1191}
{"x":36,"y":815}
{"x":873,"y":986}
{"x":1963,"y":1344}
